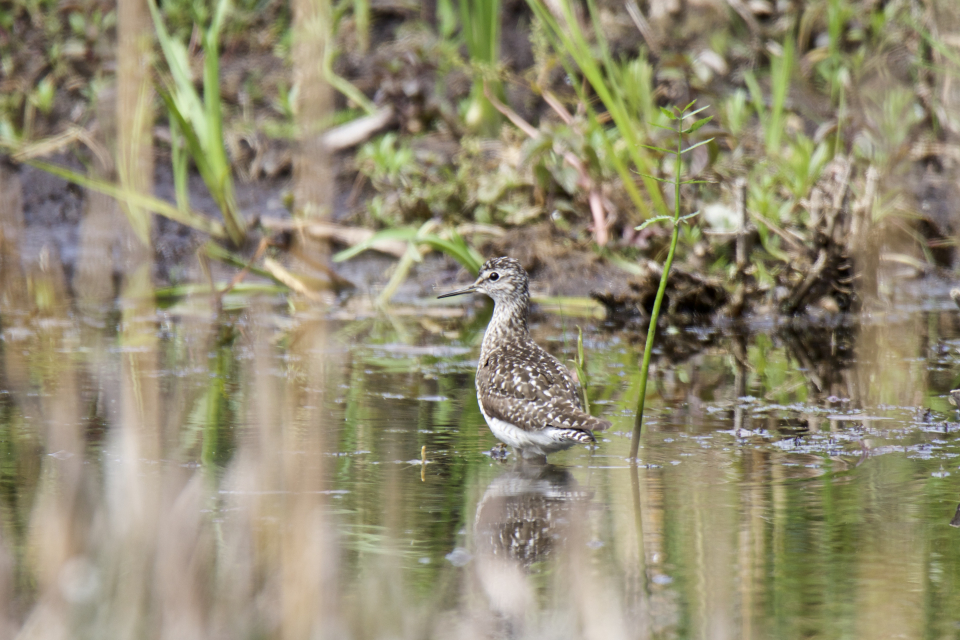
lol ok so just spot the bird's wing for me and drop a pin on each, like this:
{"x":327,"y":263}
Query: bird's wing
{"x":532,"y":390}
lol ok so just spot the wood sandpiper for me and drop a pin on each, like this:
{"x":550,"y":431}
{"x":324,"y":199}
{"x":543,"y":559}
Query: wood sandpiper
{"x":526,"y":395}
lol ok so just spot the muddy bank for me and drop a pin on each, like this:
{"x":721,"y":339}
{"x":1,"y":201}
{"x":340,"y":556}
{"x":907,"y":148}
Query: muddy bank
{"x":823,"y":179}
{"x":53,"y":211}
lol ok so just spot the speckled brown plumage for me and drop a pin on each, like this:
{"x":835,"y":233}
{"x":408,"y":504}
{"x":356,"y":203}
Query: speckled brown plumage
{"x":522,"y":384}
{"x":526,"y":395}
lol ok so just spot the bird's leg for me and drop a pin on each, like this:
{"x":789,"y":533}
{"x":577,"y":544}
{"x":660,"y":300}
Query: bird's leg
{"x":533,"y":457}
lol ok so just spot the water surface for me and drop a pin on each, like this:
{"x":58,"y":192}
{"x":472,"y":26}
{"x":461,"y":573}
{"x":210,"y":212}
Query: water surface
{"x":261,"y":474}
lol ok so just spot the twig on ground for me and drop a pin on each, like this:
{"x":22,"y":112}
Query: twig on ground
{"x":356,"y":131}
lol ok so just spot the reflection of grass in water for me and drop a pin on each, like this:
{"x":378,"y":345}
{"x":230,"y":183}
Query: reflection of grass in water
{"x":372,"y":539}
{"x":774,"y":374}
{"x":814,"y":547}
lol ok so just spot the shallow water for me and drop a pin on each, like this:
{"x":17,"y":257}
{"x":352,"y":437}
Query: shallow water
{"x":268,"y":474}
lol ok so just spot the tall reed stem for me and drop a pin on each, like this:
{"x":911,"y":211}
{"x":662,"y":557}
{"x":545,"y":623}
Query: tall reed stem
{"x":648,"y":348}
{"x":678,"y":115}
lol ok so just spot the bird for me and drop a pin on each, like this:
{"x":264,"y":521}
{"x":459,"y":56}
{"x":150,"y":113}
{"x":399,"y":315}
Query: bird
{"x":526,"y":396}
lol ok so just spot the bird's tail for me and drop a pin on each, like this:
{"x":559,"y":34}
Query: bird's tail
{"x":581,"y":427}
{"x":577,"y":435}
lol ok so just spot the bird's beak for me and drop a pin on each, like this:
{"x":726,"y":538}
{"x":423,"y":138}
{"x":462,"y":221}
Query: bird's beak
{"x":471,"y":289}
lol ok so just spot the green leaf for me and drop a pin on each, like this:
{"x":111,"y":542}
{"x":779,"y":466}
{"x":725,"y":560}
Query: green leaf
{"x":175,"y":54}
{"x":649,"y":221}
{"x":213,"y":110}
{"x":699,"y":144}
{"x":456,"y":248}
{"x":194,"y":146}
{"x":221,"y":187}
{"x":580,"y":365}
{"x":402,"y":233}
{"x":699,"y":123}
{"x":135,"y":198}
{"x":670,"y":114}
{"x":699,"y":182}
{"x":693,"y":113}
{"x":580,"y":357}
{"x":178,"y":153}
{"x":690,"y":215}
{"x":201,"y":120}
{"x":218,"y":17}
{"x":646,"y":175}
{"x":660,"y":149}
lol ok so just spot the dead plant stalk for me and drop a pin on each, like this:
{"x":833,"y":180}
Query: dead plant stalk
{"x":584,"y":180}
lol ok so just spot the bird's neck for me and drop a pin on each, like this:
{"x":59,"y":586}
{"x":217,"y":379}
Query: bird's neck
{"x":509,"y":322}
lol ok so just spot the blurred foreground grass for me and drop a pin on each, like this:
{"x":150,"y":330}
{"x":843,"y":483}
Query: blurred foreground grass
{"x":256,"y":473}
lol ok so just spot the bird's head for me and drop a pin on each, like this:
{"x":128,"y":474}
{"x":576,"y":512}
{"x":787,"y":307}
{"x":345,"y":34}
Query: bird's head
{"x":503,"y":279}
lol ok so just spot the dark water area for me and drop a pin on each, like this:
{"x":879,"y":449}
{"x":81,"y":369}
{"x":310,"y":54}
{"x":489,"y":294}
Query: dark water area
{"x":276,"y":474}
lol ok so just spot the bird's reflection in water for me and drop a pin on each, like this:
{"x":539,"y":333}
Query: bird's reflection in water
{"x":956,"y":518}
{"x":528,"y":515}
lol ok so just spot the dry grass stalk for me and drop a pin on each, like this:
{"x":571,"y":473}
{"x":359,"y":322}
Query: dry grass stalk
{"x":330,"y":231}
{"x":134,"y":107}
{"x":585,"y":181}
{"x":314,"y":188}
{"x":284,"y":276}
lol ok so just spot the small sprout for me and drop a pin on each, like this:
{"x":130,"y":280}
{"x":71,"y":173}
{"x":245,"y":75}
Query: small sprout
{"x":580,"y":366}
{"x":77,"y":23}
{"x":42,"y":97}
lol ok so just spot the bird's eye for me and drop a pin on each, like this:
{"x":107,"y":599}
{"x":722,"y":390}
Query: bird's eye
{"x":494,"y":276}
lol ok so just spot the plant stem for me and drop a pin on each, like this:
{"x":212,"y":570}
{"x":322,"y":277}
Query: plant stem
{"x":648,"y":348}
{"x":655,"y":313}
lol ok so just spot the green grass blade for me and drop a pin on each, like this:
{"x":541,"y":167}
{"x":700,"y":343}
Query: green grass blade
{"x":221,"y":184}
{"x":361,"y":17}
{"x":177,"y":59}
{"x":669,"y":114}
{"x":570,"y":40}
{"x":456,"y":249}
{"x":660,"y":149}
{"x":657,"y":179}
{"x":216,"y":252}
{"x":161,"y":207}
{"x":781,"y":72}
{"x":402,"y":233}
{"x":345,"y":87}
{"x":650,"y":221}
{"x":181,"y":166}
{"x":699,"y":123}
{"x":194,"y":145}
{"x":692,"y":113}
{"x":223,"y":6}
{"x":699,"y":144}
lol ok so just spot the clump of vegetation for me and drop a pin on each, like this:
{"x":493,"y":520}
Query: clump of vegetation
{"x":51,"y":61}
{"x":196,"y":122}
{"x":509,"y":182}
{"x":832,"y":116}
